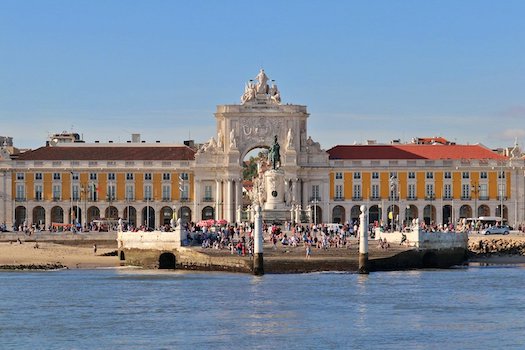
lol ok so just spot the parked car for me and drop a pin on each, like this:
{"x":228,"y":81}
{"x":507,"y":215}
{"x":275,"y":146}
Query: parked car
{"x":497,"y":229}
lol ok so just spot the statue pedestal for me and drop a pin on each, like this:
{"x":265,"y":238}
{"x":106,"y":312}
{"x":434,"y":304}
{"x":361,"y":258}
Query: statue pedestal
{"x":290,"y":157}
{"x":274,"y":183}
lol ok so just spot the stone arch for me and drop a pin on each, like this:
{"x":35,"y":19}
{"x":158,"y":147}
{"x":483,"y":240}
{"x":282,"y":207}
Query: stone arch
{"x":465,"y":211}
{"x":77,"y":214}
{"x":148,"y":213}
{"x":338,"y":214}
{"x":57,"y":214}
{"x":355,"y":211}
{"x":184,"y":214}
{"x":505,"y":212}
{"x":411,"y":213}
{"x":166,"y":214}
{"x":130,"y":214}
{"x":39,"y":215}
{"x":111,"y":212}
{"x":93,"y":213}
{"x":255,"y":146}
{"x":429,"y":214}
{"x":20,"y":215}
{"x":483,"y":210}
{"x":374,"y":214}
{"x":392,"y":215}
{"x":167,"y":261}
{"x":207,"y":213}
{"x":447,"y":214}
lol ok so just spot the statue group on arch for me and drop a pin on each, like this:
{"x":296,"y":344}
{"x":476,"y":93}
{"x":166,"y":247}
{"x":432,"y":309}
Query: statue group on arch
{"x":252,"y":90}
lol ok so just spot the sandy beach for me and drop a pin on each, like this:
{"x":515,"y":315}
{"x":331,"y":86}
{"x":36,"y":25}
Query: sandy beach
{"x":52,"y":253}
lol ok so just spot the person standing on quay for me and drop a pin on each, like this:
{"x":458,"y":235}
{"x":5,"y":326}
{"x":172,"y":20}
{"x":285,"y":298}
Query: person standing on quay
{"x":94,"y":248}
{"x":308,"y":248}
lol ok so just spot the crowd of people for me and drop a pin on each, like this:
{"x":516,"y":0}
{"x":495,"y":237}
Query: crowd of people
{"x":239,"y":239}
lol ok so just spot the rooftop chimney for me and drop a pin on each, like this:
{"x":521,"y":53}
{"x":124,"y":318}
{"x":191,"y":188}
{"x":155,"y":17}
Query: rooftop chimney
{"x":135,"y":138}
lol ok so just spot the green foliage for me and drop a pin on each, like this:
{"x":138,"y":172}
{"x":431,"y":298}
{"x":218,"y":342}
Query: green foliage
{"x":249,"y":170}
{"x":250,"y":167}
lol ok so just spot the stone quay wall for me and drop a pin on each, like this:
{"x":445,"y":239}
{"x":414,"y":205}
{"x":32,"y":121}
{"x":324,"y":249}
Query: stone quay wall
{"x":419,"y":238}
{"x":147,"y":248}
{"x":185,"y":259}
{"x":420,"y":259}
{"x":161,"y":250}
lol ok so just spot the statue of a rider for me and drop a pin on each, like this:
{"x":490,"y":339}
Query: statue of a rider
{"x":274,"y":155}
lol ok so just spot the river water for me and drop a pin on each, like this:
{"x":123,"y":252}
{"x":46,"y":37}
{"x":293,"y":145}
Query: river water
{"x":480,"y":307}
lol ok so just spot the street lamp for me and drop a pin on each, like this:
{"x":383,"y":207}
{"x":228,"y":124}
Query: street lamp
{"x":500,"y":190}
{"x":393,"y":192}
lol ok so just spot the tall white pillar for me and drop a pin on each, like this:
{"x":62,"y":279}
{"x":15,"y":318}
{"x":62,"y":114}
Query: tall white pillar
{"x":48,"y":217}
{"x":258,"y":262}
{"x":229,"y":199}
{"x":294,"y":191}
{"x":363,"y":241}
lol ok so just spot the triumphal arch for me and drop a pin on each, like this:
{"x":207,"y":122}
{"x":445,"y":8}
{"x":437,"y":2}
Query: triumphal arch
{"x":261,"y":120}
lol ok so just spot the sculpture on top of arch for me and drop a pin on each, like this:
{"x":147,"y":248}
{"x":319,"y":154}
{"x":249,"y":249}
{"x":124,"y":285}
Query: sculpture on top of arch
{"x":261,"y":91}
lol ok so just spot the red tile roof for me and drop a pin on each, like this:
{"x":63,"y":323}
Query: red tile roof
{"x":412,"y":151}
{"x":110,"y":153}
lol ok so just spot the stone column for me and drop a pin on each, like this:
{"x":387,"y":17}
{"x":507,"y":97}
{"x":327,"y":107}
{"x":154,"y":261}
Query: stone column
{"x":363,"y":241}
{"x":197,"y":190}
{"x":258,"y":261}
{"x":229,"y":199}
{"x":141,"y":215}
{"x":439,"y":212}
{"x":48,"y":217}
{"x":65,"y":215}
{"x":294,"y":191}
{"x":159,"y":215}
{"x":303,"y":201}
{"x":218,"y":199}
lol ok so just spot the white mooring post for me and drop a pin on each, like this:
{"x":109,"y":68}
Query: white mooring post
{"x":363,"y":241}
{"x":258,"y":262}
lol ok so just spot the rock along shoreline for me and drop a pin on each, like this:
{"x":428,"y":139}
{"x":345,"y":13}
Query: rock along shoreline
{"x":33,"y":267}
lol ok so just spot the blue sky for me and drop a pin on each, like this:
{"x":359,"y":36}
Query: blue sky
{"x":366,"y":69}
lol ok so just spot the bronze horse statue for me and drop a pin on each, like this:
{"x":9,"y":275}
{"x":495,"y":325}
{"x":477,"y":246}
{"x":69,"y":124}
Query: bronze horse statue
{"x":274,"y":155}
